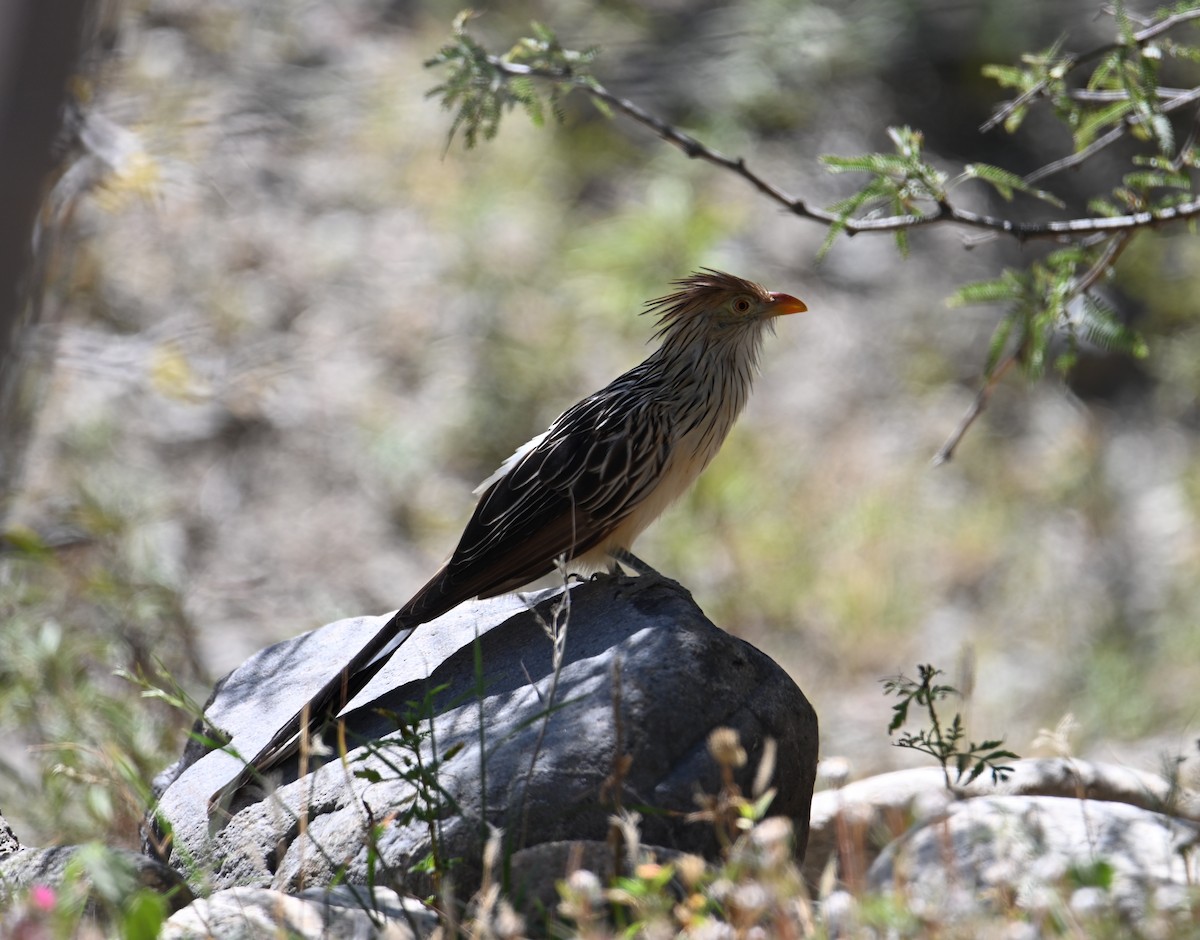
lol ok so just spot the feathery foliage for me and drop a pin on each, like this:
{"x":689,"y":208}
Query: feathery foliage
{"x":902,"y":183}
{"x":480,"y":87}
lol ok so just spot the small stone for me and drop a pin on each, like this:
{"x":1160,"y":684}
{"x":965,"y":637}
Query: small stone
{"x":1089,"y":901}
{"x":839,"y":914}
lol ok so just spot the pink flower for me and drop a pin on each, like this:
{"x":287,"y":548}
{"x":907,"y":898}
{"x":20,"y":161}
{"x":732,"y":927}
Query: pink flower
{"x":43,"y":897}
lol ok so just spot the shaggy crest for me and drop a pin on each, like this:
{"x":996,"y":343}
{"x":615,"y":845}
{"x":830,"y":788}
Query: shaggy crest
{"x":700,"y":292}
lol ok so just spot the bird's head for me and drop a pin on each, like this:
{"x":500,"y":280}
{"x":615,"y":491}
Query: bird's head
{"x":713,"y":303}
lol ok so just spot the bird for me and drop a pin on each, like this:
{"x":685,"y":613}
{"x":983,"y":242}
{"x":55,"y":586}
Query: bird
{"x":582,"y":491}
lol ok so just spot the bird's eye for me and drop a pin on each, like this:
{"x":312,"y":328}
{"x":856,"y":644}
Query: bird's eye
{"x":741,"y":305}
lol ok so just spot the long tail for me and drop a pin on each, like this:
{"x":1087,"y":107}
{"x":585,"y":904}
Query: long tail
{"x":339,"y":690}
{"x":430,"y":602}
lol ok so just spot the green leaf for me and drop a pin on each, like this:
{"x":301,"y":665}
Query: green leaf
{"x":24,"y":541}
{"x":543,"y":33}
{"x":1099,"y":120}
{"x":999,"y":340}
{"x":1010,"y":76}
{"x":1124,"y":24}
{"x":835,"y":229}
{"x":600,"y":105}
{"x":1006,"y":183}
{"x":908,"y":142}
{"x":1155,"y":179}
{"x":1015,"y":119}
{"x":1164,"y":134}
{"x":1106,"y":75}
{"x":998,"y":290}
{"x":1036,"y":346}
{"x":1095,"y":874}
{"x":1065,"y":361}
{"x":1103,"y":207}
{"x":877,"y":163}
{"x":1066,"y":259}
{"x":758,"y":809}
{"x":479,"y":88}
{"x":1178,"y":50}
{"x":878,"y":190}
{"x":1016,"y":321}
{"x":961,"y":768}
{"x":1099,"y":324}
{"x":143,"y":915}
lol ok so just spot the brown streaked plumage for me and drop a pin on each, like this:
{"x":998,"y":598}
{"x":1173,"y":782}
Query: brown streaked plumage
{"x":604,"y":470}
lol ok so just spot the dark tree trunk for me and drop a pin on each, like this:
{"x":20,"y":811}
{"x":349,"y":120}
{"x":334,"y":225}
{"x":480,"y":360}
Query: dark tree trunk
{"x":40,"y":43}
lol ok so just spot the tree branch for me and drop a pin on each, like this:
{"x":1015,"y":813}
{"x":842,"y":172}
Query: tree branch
{"x":1082,"y":285}
{"x":982,"y":397}
{"x":944,"y":212}
{"x":1070,"y":63}
{"x":1177,"y":101}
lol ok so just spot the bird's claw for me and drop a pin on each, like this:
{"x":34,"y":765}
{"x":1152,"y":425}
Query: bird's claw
{"x":623,"y":558}
{"x":645,"y":575}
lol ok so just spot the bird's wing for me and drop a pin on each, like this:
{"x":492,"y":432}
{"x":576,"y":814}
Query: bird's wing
{"x":509,"y":464}
{"x":562,"y":494}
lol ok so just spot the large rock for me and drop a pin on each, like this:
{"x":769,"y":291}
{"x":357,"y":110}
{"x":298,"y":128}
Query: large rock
{"x":9,"y":843}
{"x":854,"y":815}
{"x":342,"y":914}
{"x":644,"y":675}
{"x":1036,"y":852}
{"x":30,"y":866}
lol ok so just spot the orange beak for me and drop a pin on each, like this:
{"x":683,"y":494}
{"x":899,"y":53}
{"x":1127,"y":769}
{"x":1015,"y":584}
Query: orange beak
{"x":785,"y":303}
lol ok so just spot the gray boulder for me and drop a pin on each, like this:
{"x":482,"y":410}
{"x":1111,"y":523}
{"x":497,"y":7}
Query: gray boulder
{"x":856,"y":813}
{"x":29,"y":866}
{"x":644,"y":678}
{"x":9,"y":843}
{"x":341,"y":914}
{"x":1037,"y":853}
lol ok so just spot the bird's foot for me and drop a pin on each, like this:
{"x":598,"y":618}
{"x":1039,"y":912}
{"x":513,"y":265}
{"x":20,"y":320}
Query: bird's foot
{"x":624,"y":558}
{"x":647,"y":576}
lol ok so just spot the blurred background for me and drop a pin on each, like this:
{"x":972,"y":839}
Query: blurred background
{"x":294,"y":328}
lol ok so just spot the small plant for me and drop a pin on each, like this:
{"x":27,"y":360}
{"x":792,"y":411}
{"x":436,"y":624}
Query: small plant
{"x":730,"y":812}
{"x":404,"y":757}
{"x":489,"y":914}
{"x":944,"y":744}
{"x":755,"y":888}
{"x":79,"y":617}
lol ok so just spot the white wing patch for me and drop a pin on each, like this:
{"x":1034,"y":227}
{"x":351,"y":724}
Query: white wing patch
{"x":510,"y":463}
